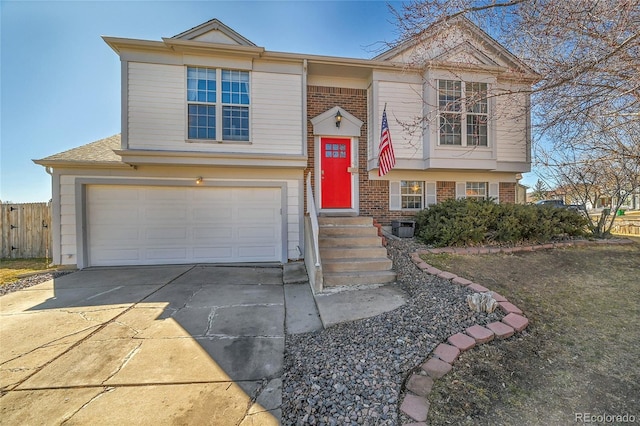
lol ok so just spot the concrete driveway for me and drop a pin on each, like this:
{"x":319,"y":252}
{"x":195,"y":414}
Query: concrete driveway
{"x":186,"y":344}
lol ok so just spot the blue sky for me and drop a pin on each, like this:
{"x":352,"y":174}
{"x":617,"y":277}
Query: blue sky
{"x":60,"y":83}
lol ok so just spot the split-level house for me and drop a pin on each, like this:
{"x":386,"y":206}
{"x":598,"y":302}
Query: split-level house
{"x":226,"y":147}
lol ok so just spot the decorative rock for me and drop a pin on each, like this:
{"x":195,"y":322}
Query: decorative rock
{"x":479,"y":333}
{"x":501,"y":330}
{"x":447,"y":353}
{"x":482,"y":302}
{"x":436,"y":368}
{"x":518,"y":322}
{"x":420,"y":385}
{"x":462,"y":341}
{"x":509,"y":308}
{"x":415,"y":407}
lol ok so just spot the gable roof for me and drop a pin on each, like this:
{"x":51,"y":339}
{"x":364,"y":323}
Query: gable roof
{"x":427,"y":37}
{"x":214,"y":31}
{"x":98,"y":153}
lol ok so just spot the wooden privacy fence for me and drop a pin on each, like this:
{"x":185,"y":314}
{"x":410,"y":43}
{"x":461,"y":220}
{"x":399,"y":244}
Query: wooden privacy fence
{"x":26,"y":230}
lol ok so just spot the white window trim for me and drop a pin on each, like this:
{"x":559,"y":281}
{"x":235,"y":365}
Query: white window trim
{"x":493,"y":190}
{"x":463,"y":116}
{"x":429,"y":196}
{"x":219,"y":107}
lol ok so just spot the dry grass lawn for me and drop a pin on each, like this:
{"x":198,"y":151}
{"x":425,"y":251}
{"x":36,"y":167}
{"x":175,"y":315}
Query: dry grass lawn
{"x":10,"y":269}
{"x":580,"y":353}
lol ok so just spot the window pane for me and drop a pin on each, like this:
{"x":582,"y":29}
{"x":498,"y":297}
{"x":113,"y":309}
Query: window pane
{"x":477,"y":190}
{"x":412,"y":194}
{"x":201,"y":84}
{"x":202,"y":122}
{"x":235,"y":123}
{"x":235,"y":87}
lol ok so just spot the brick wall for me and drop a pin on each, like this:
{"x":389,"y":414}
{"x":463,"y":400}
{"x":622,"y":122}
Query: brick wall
{"x":507,"y":192}
{"x":374,"y":195}
{"x":445,"y":191}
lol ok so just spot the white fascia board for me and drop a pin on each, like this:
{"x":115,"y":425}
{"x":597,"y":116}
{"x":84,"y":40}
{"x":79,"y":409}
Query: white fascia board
{"x":180,"y":158}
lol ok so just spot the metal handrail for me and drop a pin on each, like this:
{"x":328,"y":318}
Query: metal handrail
{"x":313,"y":215}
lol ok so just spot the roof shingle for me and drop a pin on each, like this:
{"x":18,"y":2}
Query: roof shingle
{"x":98,"y":152}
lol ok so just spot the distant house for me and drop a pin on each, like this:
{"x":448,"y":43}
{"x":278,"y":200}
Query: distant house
{"x":219,"y":134}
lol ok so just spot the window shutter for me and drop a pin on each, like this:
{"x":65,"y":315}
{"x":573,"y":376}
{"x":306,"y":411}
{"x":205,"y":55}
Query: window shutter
{"x":461,"y":190}
{"x":394,"y":196}
{"x":494,"y":191}
{"x":431,"y":194}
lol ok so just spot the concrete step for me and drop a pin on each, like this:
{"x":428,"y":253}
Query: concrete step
{"x":349,"y":241}
{"x":345,"y":221}
{"x":355,"y":264}
{"x":338,"y":279}
{"x":348,"y":231}
{"x":327,"y":253}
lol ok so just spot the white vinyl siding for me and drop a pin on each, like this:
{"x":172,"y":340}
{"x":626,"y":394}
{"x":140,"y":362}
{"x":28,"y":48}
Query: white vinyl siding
{"x":511,"y":118}
{"x":156,"y":106}
{"x":404,"y":105}
{"x":277,"y":113}
{"x":157,"y":112}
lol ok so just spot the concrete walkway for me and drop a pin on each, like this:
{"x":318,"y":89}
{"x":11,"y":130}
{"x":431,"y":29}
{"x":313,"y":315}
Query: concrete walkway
{"x":150,"y":345}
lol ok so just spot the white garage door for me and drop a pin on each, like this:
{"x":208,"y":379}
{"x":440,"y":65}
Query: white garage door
{"x":131,"y":225}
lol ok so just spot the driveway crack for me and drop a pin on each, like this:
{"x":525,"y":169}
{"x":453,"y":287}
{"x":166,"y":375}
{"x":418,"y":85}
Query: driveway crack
{"x":104,"y":392}
{"x":125,"y":361}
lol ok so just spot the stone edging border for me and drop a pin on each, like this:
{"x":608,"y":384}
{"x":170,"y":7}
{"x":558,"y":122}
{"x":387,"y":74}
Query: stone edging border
{"x":418,"y":386}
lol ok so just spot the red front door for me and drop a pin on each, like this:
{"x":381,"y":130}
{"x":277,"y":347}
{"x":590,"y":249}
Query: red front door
{"x":335,"y":160}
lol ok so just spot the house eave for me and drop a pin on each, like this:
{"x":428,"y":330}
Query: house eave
{"x":82,"y":164}
{"x":189,"y":46}
{"x":199,"y":158}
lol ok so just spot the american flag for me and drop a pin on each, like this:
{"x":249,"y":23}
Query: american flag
{"x":387,"y":158}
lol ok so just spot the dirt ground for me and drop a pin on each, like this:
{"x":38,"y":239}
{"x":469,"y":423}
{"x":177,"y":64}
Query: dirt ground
{"x":578,"y":359}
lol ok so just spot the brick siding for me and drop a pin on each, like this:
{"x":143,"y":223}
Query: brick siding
{"x":507,"y":192}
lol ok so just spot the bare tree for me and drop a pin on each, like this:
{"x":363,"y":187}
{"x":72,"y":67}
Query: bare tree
{"x":590,"y":176}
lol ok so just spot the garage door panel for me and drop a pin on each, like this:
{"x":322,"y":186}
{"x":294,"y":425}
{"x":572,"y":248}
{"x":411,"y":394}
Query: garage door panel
{"x":121,"y":233}
{"x":209,"y":233}
{"x":257,"y":233}
{"x":119,"y":256}
{"x":214,"y":213}
{"x":163,"y":213}
{"x":202,"y":254}
{"x":173,"y":254}
{"x":167,"y":234}
{"x":259,"y":252}
{"x":129,"y":225}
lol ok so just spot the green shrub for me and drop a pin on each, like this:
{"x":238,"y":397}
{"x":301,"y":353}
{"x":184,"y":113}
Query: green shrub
{"x":473,"y":222}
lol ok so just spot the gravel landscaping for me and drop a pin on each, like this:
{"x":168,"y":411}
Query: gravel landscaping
{"x":353,"y":373}
{"x":31,"y":281}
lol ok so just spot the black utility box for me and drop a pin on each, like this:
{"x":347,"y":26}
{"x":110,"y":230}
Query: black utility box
{"x":404,"y":228}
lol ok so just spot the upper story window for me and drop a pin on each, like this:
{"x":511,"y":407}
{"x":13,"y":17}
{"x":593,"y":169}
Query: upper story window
{"x":463,"y":113}
{"x":218,"y":104}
